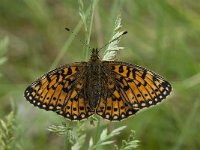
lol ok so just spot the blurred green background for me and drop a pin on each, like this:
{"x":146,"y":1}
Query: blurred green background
{"x":163,"y":35}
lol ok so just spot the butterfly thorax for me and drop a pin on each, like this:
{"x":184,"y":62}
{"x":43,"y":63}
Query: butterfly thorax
{"x":94,"y":56}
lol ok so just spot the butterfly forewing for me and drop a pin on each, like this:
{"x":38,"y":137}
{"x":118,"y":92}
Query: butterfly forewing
{"x":61,"y":91}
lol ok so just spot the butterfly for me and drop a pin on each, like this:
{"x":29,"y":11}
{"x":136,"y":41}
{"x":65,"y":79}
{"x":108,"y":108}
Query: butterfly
{"x":113,"y":90}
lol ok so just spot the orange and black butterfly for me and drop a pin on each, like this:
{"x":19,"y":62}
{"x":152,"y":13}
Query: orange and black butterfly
{"x":113,"y":90}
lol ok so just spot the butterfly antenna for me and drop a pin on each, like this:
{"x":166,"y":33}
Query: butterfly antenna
{"x":125,"y":32}
{"x":75,"y":35}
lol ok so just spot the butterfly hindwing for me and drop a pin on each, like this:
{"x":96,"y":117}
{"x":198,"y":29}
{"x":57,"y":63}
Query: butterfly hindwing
{"x":112,"y":105}
{"x":76,"y":106}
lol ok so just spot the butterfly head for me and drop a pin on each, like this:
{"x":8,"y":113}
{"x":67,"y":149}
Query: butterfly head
{"x":95,"y":54}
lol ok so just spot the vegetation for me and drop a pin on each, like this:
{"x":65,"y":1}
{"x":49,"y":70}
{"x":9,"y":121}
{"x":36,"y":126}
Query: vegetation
{"x":162,"y":36}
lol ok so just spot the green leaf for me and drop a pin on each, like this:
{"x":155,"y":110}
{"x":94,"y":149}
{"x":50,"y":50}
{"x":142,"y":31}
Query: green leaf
{"x":128,"y":144}
{"x":3,"y":45}
{"x":3,"y":126}
{"x":103,"y":135}
{"x":90,"y":142}
{"x":3,"y":60}
{"x":82,"y":14}
{"x":79,"y":143}
{"x":7,"y":136}
{"x":107,"y":142}
{"x":112,"y":49}
{"x":117,"y":131}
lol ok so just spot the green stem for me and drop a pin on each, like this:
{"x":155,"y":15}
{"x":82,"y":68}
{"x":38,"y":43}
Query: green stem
{"x":89,"y":29}
{"x":97,"y":132}
{"x":66,"y":142}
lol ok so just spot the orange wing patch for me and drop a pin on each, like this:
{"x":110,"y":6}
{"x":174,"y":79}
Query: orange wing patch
{"x":57,"y":90}
{"x":140,"y":87}
{"x":112,"y":105}
{"x":76,"y":107}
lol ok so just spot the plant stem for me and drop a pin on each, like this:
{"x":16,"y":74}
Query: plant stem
{"x":66,"y":142}
{"x":89,"y":29}
{"x":97,"y":132}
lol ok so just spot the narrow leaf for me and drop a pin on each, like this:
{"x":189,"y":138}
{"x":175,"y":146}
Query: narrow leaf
{"x":3,"y":60}
{"x":103,"y":135}
{"x":107,"y":142}
{"x":91,"y":142}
